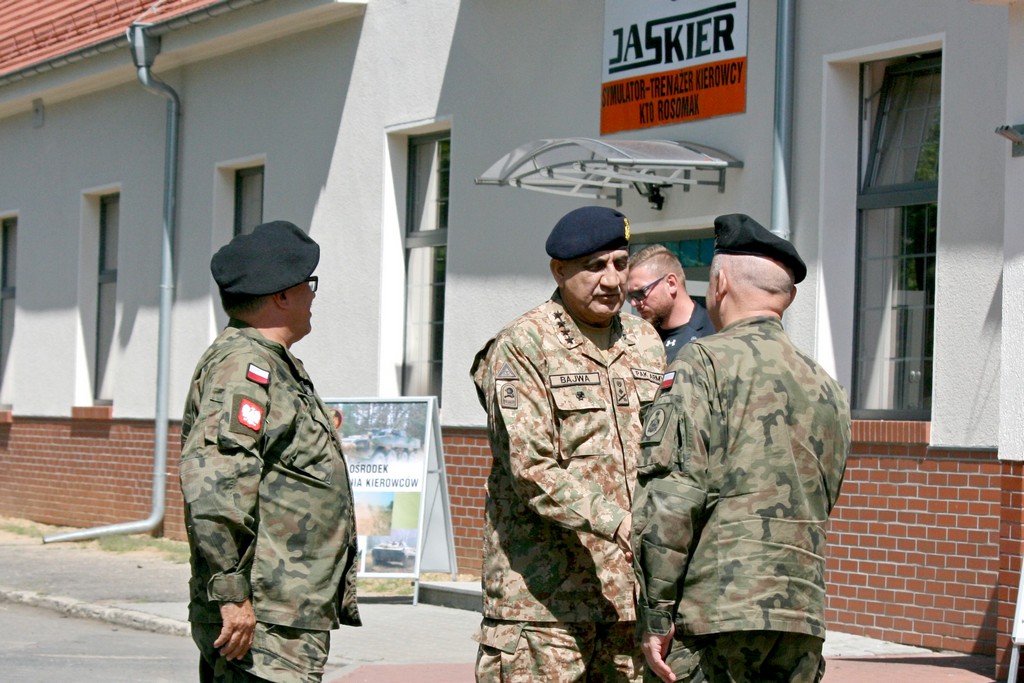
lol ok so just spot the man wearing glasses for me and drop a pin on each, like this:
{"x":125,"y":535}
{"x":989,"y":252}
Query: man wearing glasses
{"x":563,"y":386}
{"x":268,"y":506}
{"x":656,"y":288}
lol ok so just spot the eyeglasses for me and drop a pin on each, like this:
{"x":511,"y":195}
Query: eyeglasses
{"x":639,"y":295}
{"x":312,"y":281}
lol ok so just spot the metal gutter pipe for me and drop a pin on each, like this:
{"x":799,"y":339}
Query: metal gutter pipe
{"x":783,"y":141}
{"x":145,"y":47}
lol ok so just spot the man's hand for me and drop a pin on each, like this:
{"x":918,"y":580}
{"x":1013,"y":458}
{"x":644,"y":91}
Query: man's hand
{"x":655,"y":648}
{"x":236,"y":634}
{"x":622,"y":534}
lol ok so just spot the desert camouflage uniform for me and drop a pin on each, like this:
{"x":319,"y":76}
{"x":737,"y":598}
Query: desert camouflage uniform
{"x":564,"y":428}
{"x":268,"y":505}
{"x":744,"y":452}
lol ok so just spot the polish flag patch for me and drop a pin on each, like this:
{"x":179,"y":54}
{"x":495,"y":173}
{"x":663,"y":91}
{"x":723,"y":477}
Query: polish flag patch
{"x":258,"y":375}
{"x":666,"y":380}
{"x":250,"y":414}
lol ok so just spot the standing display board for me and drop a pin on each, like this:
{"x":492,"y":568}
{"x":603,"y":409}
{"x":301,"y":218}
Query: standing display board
{"x":395,"y":465}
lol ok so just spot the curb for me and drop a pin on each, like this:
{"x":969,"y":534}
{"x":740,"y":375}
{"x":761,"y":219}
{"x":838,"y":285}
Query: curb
{"x":86,"y":610}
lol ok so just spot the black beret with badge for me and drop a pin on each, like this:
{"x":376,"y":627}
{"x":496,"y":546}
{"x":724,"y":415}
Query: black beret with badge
{"x":272,"y":258}
{"x":587,"y":230}
{"x":737,"y":233}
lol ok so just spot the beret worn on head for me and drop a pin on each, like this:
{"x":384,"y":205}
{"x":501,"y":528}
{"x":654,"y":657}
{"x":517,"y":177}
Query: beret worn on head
{"x":587,"y":230}
{"x":737,"y":233}
{"x":272,"y":258}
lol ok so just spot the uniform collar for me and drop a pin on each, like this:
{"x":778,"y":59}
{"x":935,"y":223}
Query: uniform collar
{"x":569,"y":332}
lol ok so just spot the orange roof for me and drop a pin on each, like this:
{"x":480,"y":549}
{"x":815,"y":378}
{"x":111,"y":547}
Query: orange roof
{"x":35,"y":31}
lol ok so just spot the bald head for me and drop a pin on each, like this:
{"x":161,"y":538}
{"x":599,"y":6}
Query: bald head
{"x":744,"y":286}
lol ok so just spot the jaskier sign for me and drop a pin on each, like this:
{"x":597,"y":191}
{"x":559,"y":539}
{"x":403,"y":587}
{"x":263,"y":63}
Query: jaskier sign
{"x":671,"y":61}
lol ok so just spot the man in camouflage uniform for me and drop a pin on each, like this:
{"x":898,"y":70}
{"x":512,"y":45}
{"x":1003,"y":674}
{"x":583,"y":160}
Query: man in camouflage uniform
{"x":563,"y":386}
{"x":268,"y":506}
{"x":744,"y":453}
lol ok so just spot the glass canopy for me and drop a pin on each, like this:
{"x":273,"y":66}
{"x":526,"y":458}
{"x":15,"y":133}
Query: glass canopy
{"x":602,"y":168}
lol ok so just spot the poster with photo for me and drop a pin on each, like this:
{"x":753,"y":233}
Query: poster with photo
{"x":388,"y":445}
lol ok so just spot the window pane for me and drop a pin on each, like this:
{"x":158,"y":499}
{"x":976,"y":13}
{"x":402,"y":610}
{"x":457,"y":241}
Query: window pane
{"x":106,"y":297}
{"x":248,"y":199}
{"x":906,"y":148}
{"x":8,"y":270}
{"x":896,"y":310}
{"x":424,"y":336}
{"x":426,"y":253}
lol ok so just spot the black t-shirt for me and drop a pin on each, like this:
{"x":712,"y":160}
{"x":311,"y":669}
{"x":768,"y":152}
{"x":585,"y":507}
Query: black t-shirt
{"x":698,"y":326}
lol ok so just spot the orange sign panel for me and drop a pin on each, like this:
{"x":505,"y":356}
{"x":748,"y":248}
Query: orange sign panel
{"x":658,"y":99}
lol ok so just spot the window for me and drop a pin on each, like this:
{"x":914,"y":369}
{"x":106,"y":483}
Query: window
{"x":106,"y":298}
{"x":426,"y":239}
{"x":897,"y":230}
{"x":248,"y":199}
{"x":8,"y":270}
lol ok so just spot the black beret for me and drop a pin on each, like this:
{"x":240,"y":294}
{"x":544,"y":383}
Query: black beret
{"x":587,"y":230}
{"x":272,"y":258}
{"x":737,"y":233}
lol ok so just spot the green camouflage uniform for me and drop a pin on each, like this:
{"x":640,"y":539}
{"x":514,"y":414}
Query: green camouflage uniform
{"x":744,"y":453}
{"x":268,"y":505}
{"x":564,"y":428}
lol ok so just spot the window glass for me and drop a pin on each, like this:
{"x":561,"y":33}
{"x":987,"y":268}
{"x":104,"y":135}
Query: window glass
{"x":426,"y":260}
{"x":106,"y":298}
{"x":248,"y":199}
{"x":8,"y":271}
{"x":897,"y":238}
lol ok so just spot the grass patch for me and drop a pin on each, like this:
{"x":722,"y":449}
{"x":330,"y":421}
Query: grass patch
{"x":175,"y":551}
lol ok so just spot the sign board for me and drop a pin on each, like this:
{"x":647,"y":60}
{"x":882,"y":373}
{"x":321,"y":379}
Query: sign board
{"x":672,"y":61}
{"x":396,"y":468}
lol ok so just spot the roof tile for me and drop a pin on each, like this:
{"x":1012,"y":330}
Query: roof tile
{"x":35,"y":31}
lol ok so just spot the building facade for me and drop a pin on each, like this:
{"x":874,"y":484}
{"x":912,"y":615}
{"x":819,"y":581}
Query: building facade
{"x":394,"y":132}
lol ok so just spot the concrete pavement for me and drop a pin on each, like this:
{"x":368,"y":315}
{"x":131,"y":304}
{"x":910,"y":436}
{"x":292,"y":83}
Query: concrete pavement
{"x":398,"y":642}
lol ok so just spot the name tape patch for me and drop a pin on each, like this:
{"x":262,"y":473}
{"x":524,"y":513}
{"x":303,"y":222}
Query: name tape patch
{"x":649,"y":375}
{"x":575,"y":380}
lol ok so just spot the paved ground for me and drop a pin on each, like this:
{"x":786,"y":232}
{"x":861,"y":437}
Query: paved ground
{"x":399,"y":642}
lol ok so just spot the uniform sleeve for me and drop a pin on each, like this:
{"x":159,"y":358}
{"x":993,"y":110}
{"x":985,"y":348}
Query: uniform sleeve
{"x":220,"y":474}
{"x":520,"y":404}
{"x":672,"y":497}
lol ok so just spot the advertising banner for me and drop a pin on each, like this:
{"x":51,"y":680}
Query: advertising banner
{"x":671,"y":61}
{"x":392,"y":447}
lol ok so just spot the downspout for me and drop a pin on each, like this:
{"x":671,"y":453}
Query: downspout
{"x":783,"y":145}
{"x":144,"y":49}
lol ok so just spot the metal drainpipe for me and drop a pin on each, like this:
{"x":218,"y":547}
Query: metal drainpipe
{"x":144,"y":49}
{"x":783,"y":146}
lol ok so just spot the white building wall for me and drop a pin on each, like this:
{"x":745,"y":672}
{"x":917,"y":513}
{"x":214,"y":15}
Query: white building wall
{"x":327,"y":106}
{"x":1011,"y":412}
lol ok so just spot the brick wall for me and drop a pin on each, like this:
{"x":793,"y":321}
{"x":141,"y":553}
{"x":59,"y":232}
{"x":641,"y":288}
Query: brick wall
{"x":925,"y":544}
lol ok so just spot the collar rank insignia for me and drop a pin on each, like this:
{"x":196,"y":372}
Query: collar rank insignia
{"x":258,"y":375}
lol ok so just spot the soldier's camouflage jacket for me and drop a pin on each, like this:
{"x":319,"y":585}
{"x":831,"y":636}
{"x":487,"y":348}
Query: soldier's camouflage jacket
{"x":564,"y":430}
{"x":268,"y":506}
{"x":744,"y":452}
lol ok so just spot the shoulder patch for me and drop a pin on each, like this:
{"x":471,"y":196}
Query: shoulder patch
{"x":658,"y":418}
{"x":257,"y":374}
{"x":247,"y":414}
{"x":508,"y":395}
{"x":506,"y":372}
{"x":667,"y":379}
